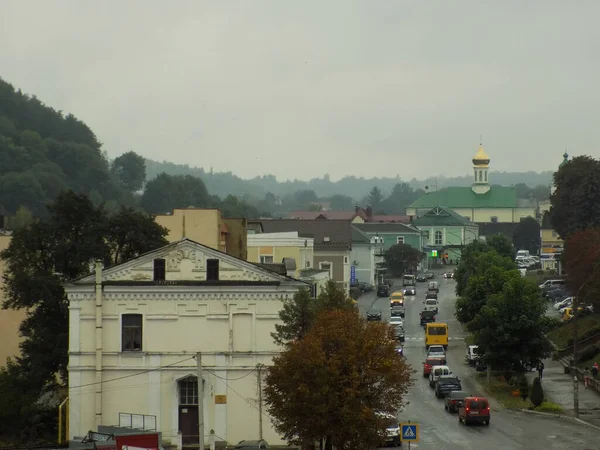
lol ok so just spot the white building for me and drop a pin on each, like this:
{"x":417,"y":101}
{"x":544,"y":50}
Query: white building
{"x":135,"y":328}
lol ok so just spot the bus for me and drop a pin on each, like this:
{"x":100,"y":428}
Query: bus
{"x":436,"y":333}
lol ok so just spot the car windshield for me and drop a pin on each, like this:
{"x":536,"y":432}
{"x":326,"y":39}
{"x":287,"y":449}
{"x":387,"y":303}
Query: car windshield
{"x":478,"y":404}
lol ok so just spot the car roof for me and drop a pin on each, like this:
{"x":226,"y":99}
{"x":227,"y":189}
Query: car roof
{"x":447,"y":376}
{"x":476,"y":398}
{"x":457,"y":393}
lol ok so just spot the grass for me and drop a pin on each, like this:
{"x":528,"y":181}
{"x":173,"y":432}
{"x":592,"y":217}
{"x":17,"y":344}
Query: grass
{"x":590,"y":362}
{"x":549,"y":407}
{"x":561,"y":335}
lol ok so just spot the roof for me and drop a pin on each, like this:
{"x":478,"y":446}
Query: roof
{"x":279,"y":268}
{"x":359,"y":237}
{"x":389,"y":219}
{"x":505,"y":228}
{"x":442,"y":216}
{"x":481,"y":158}
{"x":381,"y":227}
{"x":330,"y":215}
{"x":464,"y":197}
{"x":339,"y":232}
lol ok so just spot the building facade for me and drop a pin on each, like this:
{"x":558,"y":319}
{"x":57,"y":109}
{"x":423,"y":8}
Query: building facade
{"x":363,"y":258}
{"x":269,"y":248}
{"x":481,"y":202}
{"x":552,"y":245}
{"x":207,"y":227}
{"x":392,"y":233}
{"x":135,"y":330}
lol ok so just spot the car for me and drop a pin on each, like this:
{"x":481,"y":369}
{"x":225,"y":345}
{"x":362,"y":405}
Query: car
{"x":429,"y":274}
{"x":422,"y":277}
{"x":257,"y":444}
{"x":436,"y":351}
{"x":397,"y":311}
{"x":546,"y":284}
{"x":431,"y":303}
{"x":408,"y":280}
{"x":410,"y":290}
{"x":400,"y":351}
{"x":436,"y":372}
{"x":396,"y":321}
{"x":383,"y":290}
{"x":427,"y":317}
{"x":454,"y":400}
{"x":365,"y":287}
{"x":446,"y":384}
{"x":433,"y":286}
{"x":431,"y":294}
{"x":374,"y":316}
{"x":429,"y":363}
{"x":399,"y":333}
{"x":471,"y":355}
{"x":448,"y":274}
{"x":474,"y":409}
{"x":564,"y":303}
{"x":392,"y":430}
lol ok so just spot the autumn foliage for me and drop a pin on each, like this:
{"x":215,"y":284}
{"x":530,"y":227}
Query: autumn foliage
{"x":582,"y":263}
{"x":331,"y":383}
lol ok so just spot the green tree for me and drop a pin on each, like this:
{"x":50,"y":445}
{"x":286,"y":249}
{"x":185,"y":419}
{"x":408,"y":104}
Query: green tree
{"x":467,"y":265}
{"x":167,"y":192}
{"x":21,"y":219}
{"x":232,"y":206}
{"x":332,"y":383}
{"x":130,"y":170}
{"x":541,"y":192}
{"x":577,"y":184}
{"x":582,"y":263}
{"x":342,"y":203}
{"x":527,"y":236}
{"x":333,"y":297}
{"x":401,"y":258}
{"x":375,"y":199}
{"x":537,"y":393}
{"x":502,"y":245}
{"x":401,"y":196}
{"x":297,"y":316}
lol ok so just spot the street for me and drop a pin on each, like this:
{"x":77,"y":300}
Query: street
{"x":441,"y":430}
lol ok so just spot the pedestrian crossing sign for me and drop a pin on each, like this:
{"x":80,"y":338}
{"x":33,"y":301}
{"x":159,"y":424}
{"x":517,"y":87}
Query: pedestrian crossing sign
{"x":409,"y":432}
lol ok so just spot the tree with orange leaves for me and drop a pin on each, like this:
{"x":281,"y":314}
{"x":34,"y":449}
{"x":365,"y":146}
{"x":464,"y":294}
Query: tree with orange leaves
{"x":582,"y":264}
{"x":335,"y":382}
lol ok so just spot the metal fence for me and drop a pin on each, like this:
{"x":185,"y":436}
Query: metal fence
{"x":137,"y":421}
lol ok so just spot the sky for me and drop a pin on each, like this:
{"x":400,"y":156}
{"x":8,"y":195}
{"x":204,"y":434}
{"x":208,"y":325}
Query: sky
{"x":300,"y":89}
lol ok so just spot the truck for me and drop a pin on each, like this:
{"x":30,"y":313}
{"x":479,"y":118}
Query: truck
{"x":409,"y":280}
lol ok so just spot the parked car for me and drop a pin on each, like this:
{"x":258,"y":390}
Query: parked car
{"x":474,"y":409}
{"x":563,"y":303}
{"x":365,"y":287}
{"x":446,"y":384}
{"x":246,"y":445}
{"x":392,"y":431}
{"x":374,"y":315}
{"x":454,"y":400}
{"x":471,"y":355}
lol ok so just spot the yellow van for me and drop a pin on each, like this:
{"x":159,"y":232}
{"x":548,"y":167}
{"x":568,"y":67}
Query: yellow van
{"x":436,"y":334}
{"x":397,"y":299}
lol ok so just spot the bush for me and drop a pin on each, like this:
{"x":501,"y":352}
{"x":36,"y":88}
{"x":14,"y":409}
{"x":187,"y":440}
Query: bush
{"x":523,"y":387}
{"x":549,"y":407}
{"x":588,"y":353}
{"x":537,"y":393}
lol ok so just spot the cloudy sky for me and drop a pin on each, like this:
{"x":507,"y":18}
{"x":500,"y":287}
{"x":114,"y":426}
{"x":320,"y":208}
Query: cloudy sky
{"x":299,"y":89}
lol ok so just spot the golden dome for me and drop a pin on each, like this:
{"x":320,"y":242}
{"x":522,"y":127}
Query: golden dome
{"x":481,"y":158}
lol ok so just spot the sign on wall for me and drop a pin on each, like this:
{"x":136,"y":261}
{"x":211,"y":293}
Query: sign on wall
{"x":352,"y":274}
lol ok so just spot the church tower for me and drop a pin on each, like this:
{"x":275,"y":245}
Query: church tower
{"x":481,"y":165}
{"x":564,"y":161}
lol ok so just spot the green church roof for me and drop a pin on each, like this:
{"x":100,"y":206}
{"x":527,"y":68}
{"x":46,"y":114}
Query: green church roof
{"x":464,"y":197}
{"x":441,"y":217}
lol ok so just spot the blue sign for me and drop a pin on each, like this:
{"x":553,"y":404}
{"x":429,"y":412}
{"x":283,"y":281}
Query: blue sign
{"x":352,"y":274}
{"x":409,"y":432}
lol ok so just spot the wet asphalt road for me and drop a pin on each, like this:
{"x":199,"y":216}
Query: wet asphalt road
{"x":440,"y":430}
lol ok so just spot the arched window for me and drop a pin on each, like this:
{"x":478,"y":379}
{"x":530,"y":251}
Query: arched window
{"x":438,"y":238}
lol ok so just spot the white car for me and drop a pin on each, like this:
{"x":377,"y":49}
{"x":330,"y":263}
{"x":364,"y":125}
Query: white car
{"x":431,"y":304}
{"x":563,"y":303}
{"x":436,"y":351}
{"x":397,"y":321}
{"x":392,"y":435}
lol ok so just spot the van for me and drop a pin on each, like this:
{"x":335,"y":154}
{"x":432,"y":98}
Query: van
{"x":433,"y":286}
{"x":436,"y":372}
{"x":431,"y":304}
{"x":474,"y":409}
{"x":436,"y":334}
{"x":397,"y":299}
{"x":471,"y":355}
{"x":546,"y":284}
{"x":431,"y":294}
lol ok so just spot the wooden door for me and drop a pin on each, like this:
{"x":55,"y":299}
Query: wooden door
{"x":188,"y":424}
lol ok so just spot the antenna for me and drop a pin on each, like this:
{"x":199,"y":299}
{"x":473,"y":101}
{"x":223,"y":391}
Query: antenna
{"x":481,"y":139}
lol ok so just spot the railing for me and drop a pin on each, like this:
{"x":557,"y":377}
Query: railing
{"x":562,"y":352}
{"x":137,"y":421}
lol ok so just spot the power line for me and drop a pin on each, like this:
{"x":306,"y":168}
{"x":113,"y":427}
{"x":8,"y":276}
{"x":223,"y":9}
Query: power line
{"x":228,"y":379}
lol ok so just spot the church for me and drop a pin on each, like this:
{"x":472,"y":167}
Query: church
{"x":481,"y":202}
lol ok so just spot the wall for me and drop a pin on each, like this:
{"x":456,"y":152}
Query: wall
{"x":389,"y":239}
{"x":282,"y":245}
{"x":341,"y":265}
{"x":364,"y":255}
{"x":9,"y":319}
{"x":237,"y":239}
{"x":485,"y":214}
{"x":201,"y":225}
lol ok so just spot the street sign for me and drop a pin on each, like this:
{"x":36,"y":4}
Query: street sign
{"x":352,"y":274}
{"x":409,"y":432}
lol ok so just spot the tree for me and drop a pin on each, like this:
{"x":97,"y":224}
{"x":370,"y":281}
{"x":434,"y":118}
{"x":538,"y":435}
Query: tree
{"x":527,"y":235}
{"x":375,"y":199}
{"x":232,"y":206}
{"x":509,"y":329}
{"x":541,"y":192}
{"x":167,"y":192}
{"x":402,"y":257}
{"x":401,"y":196}
{"x":341,"y":203}
{"x":297,"y":316}
{"x":537,"y":392}
{"x":332,"y":383}
{"x":582,"y":263}
{"x":467,"y":265}
{"x":577,"y":196}
{"x":130,"y":170}
{"x":22,"y":218}
{"x":502,"y":245}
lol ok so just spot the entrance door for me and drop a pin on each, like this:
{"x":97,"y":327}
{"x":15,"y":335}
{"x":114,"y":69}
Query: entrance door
{"x":188,"y":424}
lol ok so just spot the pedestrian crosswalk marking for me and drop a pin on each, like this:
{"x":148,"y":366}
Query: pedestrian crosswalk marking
{"x":409,"y":433}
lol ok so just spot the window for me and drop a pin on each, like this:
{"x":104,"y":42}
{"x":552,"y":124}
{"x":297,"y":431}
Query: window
{"x":308,"y":264}
{"x":485,"y":176}
{"x":400,"y":240}
{"x":212,"y":270}
{"x":266,"y":259}
{"x":188,"y":391}
{"x":160,"y":269}
{"x":437,"y":331}
{"x":327,"y":266}
{"x":345,"y":260}
{"x":438,"y":237}
{"x":131,"y":332}
{"x":313,"y":291}
{"x":494,"y":219}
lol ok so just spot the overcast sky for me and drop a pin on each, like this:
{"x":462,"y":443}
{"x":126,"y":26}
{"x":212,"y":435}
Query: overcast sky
{"x":303,"y":88}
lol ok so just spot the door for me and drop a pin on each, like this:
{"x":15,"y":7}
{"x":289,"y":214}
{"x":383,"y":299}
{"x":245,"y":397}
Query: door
{"x":188,"y":424}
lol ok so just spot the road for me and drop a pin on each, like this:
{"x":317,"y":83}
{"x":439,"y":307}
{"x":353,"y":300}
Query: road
{"x":441,"y":430}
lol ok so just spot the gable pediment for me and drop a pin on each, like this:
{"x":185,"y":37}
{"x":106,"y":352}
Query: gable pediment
{"x":185,"y":260}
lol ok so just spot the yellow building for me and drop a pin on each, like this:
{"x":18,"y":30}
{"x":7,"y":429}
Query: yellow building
{"x":551,"y":245}
{"x":9,"y":319}
{"x":207,"y":227}
{"x":284,"y":247}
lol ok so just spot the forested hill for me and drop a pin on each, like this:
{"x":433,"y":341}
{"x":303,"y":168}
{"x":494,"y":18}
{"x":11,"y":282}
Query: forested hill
{"x":43,"y":152}
{"x":225,"y":183}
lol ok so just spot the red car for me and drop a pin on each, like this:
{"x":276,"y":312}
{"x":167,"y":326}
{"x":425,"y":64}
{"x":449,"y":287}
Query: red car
{"x":429,"y":363}
{"x":474,"y":409}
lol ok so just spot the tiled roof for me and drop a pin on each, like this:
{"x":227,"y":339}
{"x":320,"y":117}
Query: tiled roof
{"x":464,"y":197}
{"x":359,"y":237}
{"x":339,"y":232}
{"x":441,"y":216}
{"x":381,"y":227}
{"x":330,"y":215}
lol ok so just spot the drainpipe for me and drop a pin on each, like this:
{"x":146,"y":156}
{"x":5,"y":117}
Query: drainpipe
{"x":98,"y":342}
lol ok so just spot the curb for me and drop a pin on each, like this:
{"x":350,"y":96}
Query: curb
{"x":560,"y":416}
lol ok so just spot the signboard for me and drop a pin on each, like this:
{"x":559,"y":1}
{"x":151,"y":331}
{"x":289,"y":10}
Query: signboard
{"x":220,"y":399}
{"x":409,"y":432}
{"x":352,"y":274}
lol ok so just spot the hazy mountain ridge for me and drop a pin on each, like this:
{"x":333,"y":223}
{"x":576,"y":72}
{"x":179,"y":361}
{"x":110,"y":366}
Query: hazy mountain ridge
{"x":225,"y":183}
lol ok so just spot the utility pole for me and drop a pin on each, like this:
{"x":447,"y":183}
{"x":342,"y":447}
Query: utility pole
{"x":260,"y":406}
{"x":575,"y":380}
{"x":200,"y":401}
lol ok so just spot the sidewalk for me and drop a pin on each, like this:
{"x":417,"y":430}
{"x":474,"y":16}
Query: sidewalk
{"x":558,"y":388}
